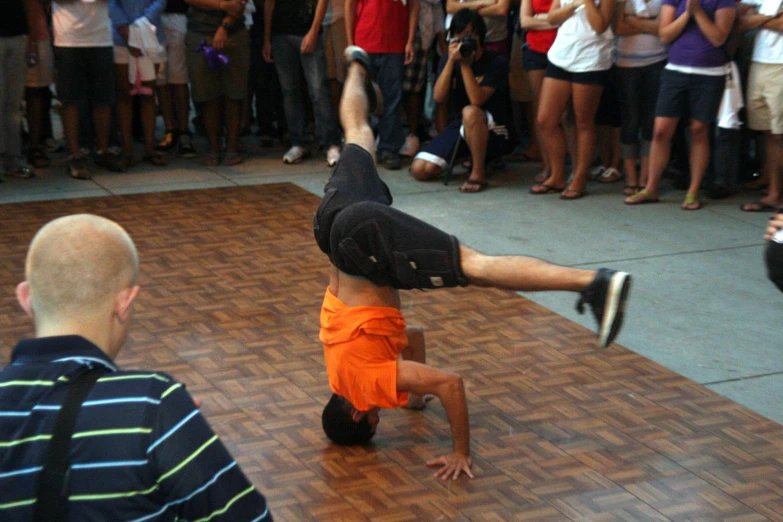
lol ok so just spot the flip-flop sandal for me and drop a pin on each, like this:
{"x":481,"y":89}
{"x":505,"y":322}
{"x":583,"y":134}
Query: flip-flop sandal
{"x":610,"y":175}
{"x":575,"y":194}
{"x":632,"y":190}
{"x":478,"y":184}
{"x":758,"y":206}
{"x":548,"y":189}
{"x":640,"y":198}
{"x":691,"y":199}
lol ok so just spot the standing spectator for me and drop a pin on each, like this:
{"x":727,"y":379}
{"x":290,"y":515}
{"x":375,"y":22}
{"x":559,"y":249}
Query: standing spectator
{"x":386,"y":30}
{"x":495,"y":14}
{"x":539,"y":37}
{"x":14,"y":24}
{"x":692,"y":85}
{"x":40,"y":76}
{"x":172,"y":84}
{"x":128,"y":16}
{"x":579,"y":63}
{"x":84,"y":72}
{"x":765,"y":100}
{"x":292,"y":32}
{"x":334,"y":45}
{"x":641,"y":58}
{"x":220,"y":24}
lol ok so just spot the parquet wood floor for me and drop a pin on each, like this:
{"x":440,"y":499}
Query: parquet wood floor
{"x":232,"y":284}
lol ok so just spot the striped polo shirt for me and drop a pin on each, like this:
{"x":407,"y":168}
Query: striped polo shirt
{"x":141,"y":450}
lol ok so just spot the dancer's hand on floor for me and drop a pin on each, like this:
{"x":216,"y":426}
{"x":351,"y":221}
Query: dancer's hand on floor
{"x":451,"y":466}
{"x":418,"y":402}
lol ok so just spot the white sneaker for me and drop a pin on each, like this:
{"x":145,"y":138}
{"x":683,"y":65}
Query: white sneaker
{"x":295,"y":154}
{"x":333,"y":155}
{"x":411,"y":146}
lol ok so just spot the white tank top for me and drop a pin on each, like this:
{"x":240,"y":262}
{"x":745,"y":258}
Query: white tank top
{"x":578,"y":48}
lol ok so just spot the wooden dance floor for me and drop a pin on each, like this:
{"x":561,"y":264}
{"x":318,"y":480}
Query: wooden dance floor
{"x":232,"y":283}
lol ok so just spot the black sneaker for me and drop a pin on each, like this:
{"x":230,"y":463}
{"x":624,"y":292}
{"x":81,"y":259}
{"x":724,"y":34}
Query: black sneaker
{"x":168,"y":142}
{"x":354,"y":53}
{"x":77,"y":167}
{"x":606,"y":296}
{"x":109,"y":161}
{"x":390,"y":161}
{"x":185,"y":146}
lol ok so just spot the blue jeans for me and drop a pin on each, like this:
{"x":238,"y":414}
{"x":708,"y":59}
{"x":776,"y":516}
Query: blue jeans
{"x":290,"y":63}
{"x":389,"y":71}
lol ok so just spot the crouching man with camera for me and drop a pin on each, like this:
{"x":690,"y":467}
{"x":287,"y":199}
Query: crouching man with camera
{"x":477,"y":82}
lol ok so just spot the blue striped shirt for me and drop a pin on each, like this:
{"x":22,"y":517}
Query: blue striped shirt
{"x":141,"y":450}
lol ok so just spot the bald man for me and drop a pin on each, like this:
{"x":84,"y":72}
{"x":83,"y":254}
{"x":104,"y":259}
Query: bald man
{"x":140,"y":449}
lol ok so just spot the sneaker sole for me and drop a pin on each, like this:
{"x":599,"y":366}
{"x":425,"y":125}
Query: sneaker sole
{"x":614,"y":308}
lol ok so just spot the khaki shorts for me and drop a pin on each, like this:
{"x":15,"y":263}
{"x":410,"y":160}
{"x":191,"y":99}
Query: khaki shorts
{"x":175,"y":70}
{"x":230,"y":80}
{"x":765,"y":97}
{"x":42,"y":75}
{"x":518,"y":82}
{"x":335,"y":42}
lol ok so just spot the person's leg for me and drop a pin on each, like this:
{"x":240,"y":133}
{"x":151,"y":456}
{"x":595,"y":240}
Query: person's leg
{"x":286,"y":54}
{"x":149,"y":111}
{"x":586,"y":98}
{"x":314,"y":67}
{"x":124,"y":109}
{"x":699,"y":160}
{"x":660,"y":151}
{"x":650,"y":85}
{"x":210,"y":110}
{"x":166,"y":97}
{"x":774,"y":147}
{"x":233,"y":110}
{"x":555,"y":95}
{"x":14,"y":77}
{"x":474,"y":120}
{"x":354,"y":110}
{"x":536,"y":78}
{"x":389,"y":72}
{"x":182,"y":105}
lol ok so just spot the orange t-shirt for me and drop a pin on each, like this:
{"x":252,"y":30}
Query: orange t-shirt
{"x":361,"y":347}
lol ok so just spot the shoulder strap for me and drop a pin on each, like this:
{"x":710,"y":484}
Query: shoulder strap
{"x":53,"y":482}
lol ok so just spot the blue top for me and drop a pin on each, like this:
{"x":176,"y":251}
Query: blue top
{"x":141,"y":450}
{"x":692,"y":48}
{"x":125,"y":12}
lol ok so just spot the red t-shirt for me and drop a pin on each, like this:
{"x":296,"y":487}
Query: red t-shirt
{"x":541,"y":41}
{"x":381,"y":26}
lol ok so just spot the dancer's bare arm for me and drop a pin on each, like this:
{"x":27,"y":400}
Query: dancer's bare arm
{"x":421,"y":379}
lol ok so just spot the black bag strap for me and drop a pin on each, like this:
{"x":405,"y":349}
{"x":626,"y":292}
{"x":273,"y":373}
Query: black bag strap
{"x":53,"y":483}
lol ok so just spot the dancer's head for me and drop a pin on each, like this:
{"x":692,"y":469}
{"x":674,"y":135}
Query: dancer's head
{"x":347,"y":426}
{"x":81,"y":274}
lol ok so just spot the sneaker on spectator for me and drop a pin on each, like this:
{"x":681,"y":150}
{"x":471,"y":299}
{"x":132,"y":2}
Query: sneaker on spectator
{"x":606,"y":296}
{"x":109,"y":161}
{"x":168,"y":142}
{"x":411,"y":146}
{"x":77,"y":167}
{"x":333,"y":155}
{"x":295,"y":154}
{"x":185,"y":146}
{"x":23,"y":172}
{"x":390,"y":160}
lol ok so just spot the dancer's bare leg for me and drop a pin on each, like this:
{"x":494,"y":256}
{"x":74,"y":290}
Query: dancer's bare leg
{"x":354,"y":110}
{"x":521,"y":273}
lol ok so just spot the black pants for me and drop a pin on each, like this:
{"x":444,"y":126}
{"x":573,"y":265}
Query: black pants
{"x":774,"y":258}
{"x":364,"y":236}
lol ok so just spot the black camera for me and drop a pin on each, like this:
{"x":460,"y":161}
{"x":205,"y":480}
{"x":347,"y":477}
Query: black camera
{"x":467,"y":46}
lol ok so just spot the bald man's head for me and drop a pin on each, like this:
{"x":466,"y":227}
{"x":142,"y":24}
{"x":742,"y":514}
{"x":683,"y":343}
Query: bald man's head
{"x":76,"y":265}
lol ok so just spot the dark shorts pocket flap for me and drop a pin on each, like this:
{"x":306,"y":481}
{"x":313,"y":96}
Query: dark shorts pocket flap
{"x":365,"y":263}
{"x":405,"y":271}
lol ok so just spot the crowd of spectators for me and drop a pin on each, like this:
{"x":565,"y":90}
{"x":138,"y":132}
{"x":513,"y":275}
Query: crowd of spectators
{"x":685,"y":88}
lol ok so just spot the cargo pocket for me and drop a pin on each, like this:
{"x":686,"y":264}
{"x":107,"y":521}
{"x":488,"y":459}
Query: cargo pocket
{"x":364,"y":250}
{"x":423,"y":269}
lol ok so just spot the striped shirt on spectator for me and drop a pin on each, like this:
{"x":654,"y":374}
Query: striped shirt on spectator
{"x":141,"y":450}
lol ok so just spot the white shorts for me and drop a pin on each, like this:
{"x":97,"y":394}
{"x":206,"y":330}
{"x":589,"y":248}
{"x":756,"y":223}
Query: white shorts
{"x":175,"y":70}
{"x":42,"y":75}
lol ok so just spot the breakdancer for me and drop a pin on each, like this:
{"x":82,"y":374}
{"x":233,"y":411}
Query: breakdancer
{"x":373,"y":359}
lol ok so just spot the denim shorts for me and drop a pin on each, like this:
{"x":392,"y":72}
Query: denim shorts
{"x":585,"y":78}
{"x":692,"y":96}
{"x":533,"y":60}
{"x":365,"y":237}
{"x":85,"y":73}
